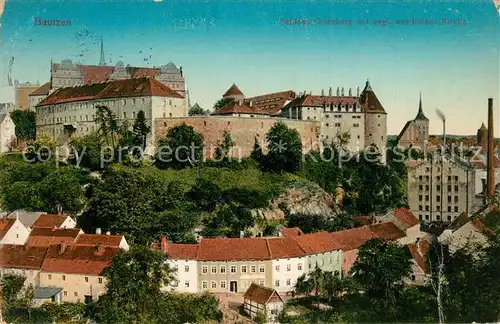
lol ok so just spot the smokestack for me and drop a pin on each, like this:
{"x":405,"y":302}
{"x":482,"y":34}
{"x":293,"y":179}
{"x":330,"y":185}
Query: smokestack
{"x":491,"y":148}
{"x":443,"y":119}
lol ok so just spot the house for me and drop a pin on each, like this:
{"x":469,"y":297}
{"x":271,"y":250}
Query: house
{"x":7,"y":132}
{"x":465,"y":232}
{"x":45,"y":236}
{"x":49,"y":220}
{"x":76,"y":271}
{"x":420,"y":265}
{"x":263,"y":300}
{"x":108,"y":240}
{"x":350,"y":241}
{"x":23,"y":261}
{"x":182,"y":259}
{"x":12,"y":231}
{"x":290,"y":231}
{"x":406,"y":221}
{"x":27,"y":218}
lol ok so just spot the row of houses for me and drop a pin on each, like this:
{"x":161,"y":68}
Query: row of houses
{"x":223,"y":265}
{"x":61,"y":262}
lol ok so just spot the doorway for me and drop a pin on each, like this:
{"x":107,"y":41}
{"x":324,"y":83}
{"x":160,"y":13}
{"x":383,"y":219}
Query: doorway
{"x":233,"y":286}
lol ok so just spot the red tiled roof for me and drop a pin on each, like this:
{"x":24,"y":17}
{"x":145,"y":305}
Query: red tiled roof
{"x":272,"y":103}
{"x":219,"y":249}
{"x":387,"y":231}
{"x":49,"y":220}
{"x":42,"y":91}
{"x":354,"y":238}
{"x":95,"y":73}
{"x":283,"y":248}
{"x":419,"y":258}
{"x":320,"y":101}
{"x":78,"y":259}
{"x":94,"y":239}
{"x":292,"y":231}
{"x":370,"y":100}
{"x":19,"y":256}
{"x":112,"y":89}
{"x":319,"y":242}
{"x":236,"y":107}
{"x":5,"y":225}
{"x":413,"y":164}
{"x":136,"y":72}
{"x":406,"y":217}
{"x":261,"y":295}
{"x":44,"y":236}
{"x":233,"y":91}
{"x":182,"y":251}
{"x":479,"y":224}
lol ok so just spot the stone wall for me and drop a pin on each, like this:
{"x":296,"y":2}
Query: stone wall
{"x":243,"y":131}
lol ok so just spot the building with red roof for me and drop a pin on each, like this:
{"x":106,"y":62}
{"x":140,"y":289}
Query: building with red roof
{"x":12,"y":231}
{"x":22,"y":260}
{"x":72,"y":110}
{"x":108,"y":240}
{"x":406,"y":221}
{"x":51,"y":221}
{"x":77,"y":270}
{"x":263,"y":300}
{"x":46,"y":236}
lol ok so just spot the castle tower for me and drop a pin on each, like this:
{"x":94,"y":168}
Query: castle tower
{"x":235,"y":93}
{"x":375,"y":121}
{"x":422,"y":124}
{"x":102,"y":61}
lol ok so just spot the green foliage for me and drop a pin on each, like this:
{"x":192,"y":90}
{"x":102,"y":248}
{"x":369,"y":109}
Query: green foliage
{"x":181,"y":148}
{"x":284,"y":149}
{"x":223,"y":150}
{"x":140,"y":206}
{"x":25,"y":124}
{"x":141,"y":129}
{"x":318,"y":223}
{"x":222,"y":103}
{"x":108,"y":124}
{"x":43,"y":149}
{"x":321,"y":169}
{"x":87,"y":152}
{"x":260,"y":318}
{"x":228,"y":220}
{"x":380,"y":269}
{"x":197,"y":111}
{"x":43,"y":186}
{"x":11,"y":287}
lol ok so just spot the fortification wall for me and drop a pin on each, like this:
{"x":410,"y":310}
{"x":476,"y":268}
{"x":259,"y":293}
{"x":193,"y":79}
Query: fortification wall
{"x":243,"y":131}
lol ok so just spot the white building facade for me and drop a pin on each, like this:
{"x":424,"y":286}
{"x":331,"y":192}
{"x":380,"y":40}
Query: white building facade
{"x":7,"y":132}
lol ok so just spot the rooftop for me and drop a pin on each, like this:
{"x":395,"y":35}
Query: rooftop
{"x":19,"y":256}
{"x":44,"y":236}
{"x":49,"y":220}
{"x":261,"y":294}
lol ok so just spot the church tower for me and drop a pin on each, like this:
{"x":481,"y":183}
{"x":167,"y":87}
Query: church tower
{"x":375,"y":121}
{"x":422,"y":124}
{"x":102,"y":61}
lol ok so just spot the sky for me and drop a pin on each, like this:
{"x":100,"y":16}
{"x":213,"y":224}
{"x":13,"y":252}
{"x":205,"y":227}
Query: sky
{"x":454,"y":65}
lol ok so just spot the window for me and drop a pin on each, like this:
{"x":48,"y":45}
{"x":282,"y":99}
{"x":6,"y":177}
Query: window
{"x":288,"y":282}
{"x":337,"y":124}
{"x":277,"y":283}
{"x":76,"y":294}
{"x":262,"y":268}
{"x":449,"y":199}
{"x":420,"y":217}
{"x":438,"y":208}
{"x":213,"y":269}
{"x":420,"y":178}
{"x":214,"y":285}
{"x":456,"y":187}
{"x":437,"y":217}
{"x":223,"y":284}
{"x":124,"y":115}
{"x":420,"y":187}
{"x":449,"y":218}
{"x":133,"y":114}
{"x":427,"y":188}
{"x":327,"y":124}
{"x":186,"y":284}
{"x":420,"y":207}
{"x":426,"y":197}
{"x":299,"y":266}
{"x":456,"y":178}
{"x":204,"y":269}
{"x":65,"y":293}
{"x":456,"y":209}
{"x":100,"y":280}
{"x":438,"y":198}
{"x":133,"y":101}
{"x":427,"y":208}
{"x":426,"y":217}
{"x":124,"y":101}
{"x":186,"y":268}
{"x":438,"y":187}
{"x":456,"y":199}
{"x":288,"y":267}
{"x":86,"y":279}
{"x":261,"y":282}
{"x":449,"y":178}
{"x":222,"y":269}
{"x":233,"y":269}
{"x":449,"y":188}
{"x":253,"y":269}
{"x":243,"y":269}
{"x":277,"y":268}
{"x":449,"y":208}
{"x":63,"y":277}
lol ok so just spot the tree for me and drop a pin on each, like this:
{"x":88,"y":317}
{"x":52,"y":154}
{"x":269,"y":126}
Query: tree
{"x":380,"y":269}
{"x":284,"y":149}
{"x":43,"y":149}
{"x":25,"y":124}
{"x":197,"y":111}
{"x":136,"y":299}
{"x":205,"y":194}
{"x":222,"y":103}
{"x":88,"y":152}
{"x":228,"y":220}
{"x":141,"y":129}
{"x":108,"y":124}
{"x":257,"y":154}
{"x":181,"y":148}
{"x":223,"y":149}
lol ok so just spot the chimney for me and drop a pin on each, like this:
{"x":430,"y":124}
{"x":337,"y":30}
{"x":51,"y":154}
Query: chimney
{"x":444,"y":135}
{"x":322,"y":92}
{"x":98,"y":230}
{"x":357,"y":92}
{"x":330,"y":92}
{"x":338,"y":91}
{"x":242,"y":234}
{"x":164,"y":244}
{"x":350,"y":92}
{"x":108,"y":233}
{"x":491,"y":153}
{"x":250,"y":103}
{"x":342,"y":91}
{"x":62,"y":247}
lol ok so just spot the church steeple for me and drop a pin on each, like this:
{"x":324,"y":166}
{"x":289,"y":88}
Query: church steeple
{"x":420,"y":115}
{"x":102,"y":61}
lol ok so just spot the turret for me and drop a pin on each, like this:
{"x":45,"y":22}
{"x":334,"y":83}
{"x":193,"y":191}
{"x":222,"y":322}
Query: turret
{"x":375,"y":120}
